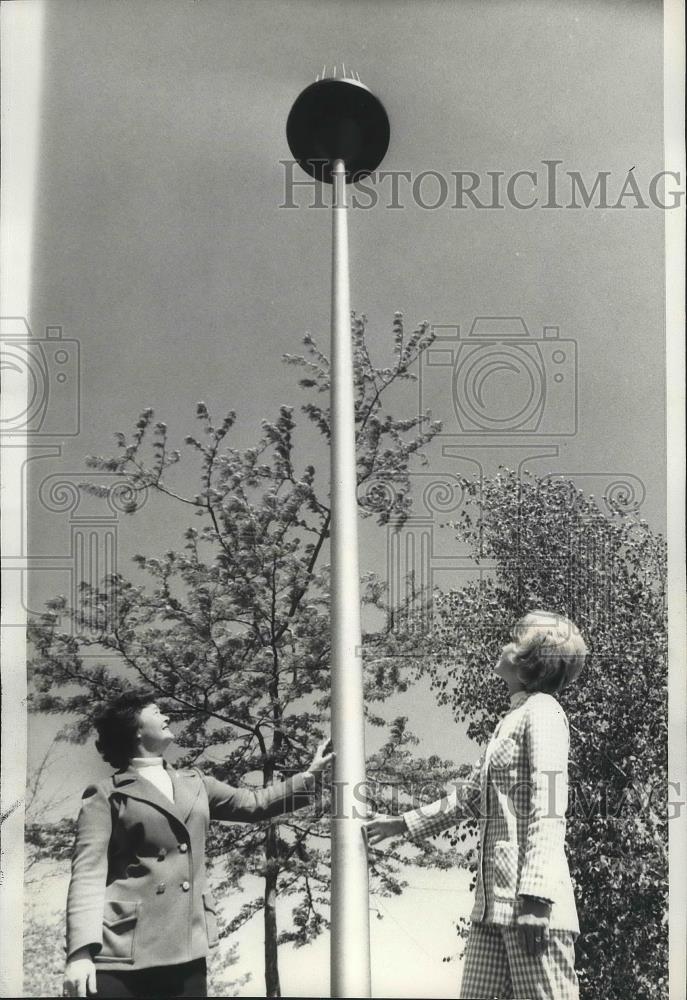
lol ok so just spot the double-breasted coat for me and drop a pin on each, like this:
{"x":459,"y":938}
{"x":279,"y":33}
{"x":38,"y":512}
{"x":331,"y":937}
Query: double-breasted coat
{"x":138,"y":893}
{"x":519,"y":793}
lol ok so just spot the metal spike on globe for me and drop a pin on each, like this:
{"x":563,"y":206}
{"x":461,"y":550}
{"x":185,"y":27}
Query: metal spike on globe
{"x":338,"y":118}
{"x":338,"y":131}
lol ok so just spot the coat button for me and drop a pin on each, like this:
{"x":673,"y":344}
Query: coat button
{"x":162,"y":855}
{"x":183,"y":848}
{"x":161,"y":888}
{"x":185,"y":886}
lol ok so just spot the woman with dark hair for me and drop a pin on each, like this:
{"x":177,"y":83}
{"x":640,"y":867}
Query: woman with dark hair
{"x":140,"y":916}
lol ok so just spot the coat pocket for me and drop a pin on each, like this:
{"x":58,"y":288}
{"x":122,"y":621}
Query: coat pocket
{"x":505,"y":869}
{"x":119,"y":931}
{"x":502,"y":753}
{"x":210,"y":909}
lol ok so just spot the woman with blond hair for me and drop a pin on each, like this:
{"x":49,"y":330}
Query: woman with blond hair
{"x":524,"y":920}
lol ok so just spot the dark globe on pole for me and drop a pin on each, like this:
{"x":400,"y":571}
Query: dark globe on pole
{"x":338,"y":119}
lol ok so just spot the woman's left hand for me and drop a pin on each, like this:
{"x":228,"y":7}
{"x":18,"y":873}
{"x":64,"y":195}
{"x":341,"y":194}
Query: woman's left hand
{"x":324,"y":755}
{"x":533,"y":925}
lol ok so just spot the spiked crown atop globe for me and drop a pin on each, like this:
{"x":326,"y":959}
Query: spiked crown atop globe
{"x":338,"y":118}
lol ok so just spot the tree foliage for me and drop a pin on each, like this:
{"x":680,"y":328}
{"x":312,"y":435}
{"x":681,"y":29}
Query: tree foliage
{"x":43,"y":952}
{"x":231,"y":630}
{"x":542,"y":543}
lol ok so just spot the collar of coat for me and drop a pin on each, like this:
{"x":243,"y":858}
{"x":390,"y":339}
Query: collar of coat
{"x":518,"y":699}
{"x":186,"y":785}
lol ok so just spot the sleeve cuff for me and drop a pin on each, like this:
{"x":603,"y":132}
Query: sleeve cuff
{"x":73,"y":946}
{"x":413,"y":822}
{"x":537,"y":888}
{"x":427,"y":821}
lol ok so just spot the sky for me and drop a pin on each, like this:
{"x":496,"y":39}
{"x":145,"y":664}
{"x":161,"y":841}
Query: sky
{"x":162,"y":253}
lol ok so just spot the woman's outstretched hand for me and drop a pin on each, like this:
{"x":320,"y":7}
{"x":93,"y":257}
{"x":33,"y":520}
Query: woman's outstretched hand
{"x":379,"y":829}
{"x":324,"y":755}
{"x":79,"y":975}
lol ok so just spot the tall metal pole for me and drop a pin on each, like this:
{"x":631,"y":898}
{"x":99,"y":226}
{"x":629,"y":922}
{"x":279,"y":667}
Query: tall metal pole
{"x":338,"y":131}
{"x":350,"y":930}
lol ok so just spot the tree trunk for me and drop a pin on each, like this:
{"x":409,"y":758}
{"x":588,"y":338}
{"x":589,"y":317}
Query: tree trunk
{"x":272,"y":984}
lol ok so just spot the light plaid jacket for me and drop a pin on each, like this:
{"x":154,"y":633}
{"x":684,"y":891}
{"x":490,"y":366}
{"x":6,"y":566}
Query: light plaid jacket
{"x":519,"y":792}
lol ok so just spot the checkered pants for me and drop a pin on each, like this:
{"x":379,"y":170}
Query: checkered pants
{"x":497,"y":968}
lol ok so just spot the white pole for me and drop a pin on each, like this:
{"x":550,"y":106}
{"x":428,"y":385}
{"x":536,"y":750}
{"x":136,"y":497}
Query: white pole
{"x":350,"y":925}
{"x":22,"y":57}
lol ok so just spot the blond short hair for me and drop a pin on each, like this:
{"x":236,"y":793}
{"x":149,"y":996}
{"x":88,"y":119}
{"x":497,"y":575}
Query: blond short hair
{"x":549,"y":651}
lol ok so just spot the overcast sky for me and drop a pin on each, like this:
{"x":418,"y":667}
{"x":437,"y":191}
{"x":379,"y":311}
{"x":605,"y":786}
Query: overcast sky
{"x":161,"y":247}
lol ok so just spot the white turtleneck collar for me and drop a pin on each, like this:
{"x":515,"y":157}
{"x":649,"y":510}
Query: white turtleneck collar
{"x":153,"y":770}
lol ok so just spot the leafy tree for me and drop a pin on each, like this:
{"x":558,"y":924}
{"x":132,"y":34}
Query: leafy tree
{"x":232,"y":631}
{"x":543,"y":544}
{"x":48,"y":845}
{"x":46,"y":841}
{"x":43,"y":952}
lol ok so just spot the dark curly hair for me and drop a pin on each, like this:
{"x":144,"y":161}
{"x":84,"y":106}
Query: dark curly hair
{"x":117,"y":727}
